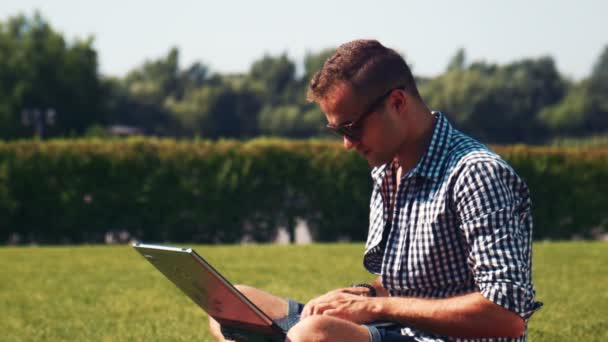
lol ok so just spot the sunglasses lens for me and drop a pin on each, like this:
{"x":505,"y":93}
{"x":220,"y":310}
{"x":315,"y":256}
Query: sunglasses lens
{"x":348,"y":133}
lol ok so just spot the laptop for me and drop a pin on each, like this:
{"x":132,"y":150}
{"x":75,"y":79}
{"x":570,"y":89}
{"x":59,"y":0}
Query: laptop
{"x":240,"y":319}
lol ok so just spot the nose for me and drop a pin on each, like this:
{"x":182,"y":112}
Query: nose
{"x":349,"y":144}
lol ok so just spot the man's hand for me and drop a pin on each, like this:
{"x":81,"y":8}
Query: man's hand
{"x":351,"y":304}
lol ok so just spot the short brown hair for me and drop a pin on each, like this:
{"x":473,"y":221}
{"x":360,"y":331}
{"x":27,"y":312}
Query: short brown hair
{"x":368,"y":66}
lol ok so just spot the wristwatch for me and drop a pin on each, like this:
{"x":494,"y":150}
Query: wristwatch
{"x":372,"y":290}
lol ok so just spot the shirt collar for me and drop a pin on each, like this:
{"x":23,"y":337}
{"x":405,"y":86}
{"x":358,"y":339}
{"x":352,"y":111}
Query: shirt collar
{"x":429,"y":166}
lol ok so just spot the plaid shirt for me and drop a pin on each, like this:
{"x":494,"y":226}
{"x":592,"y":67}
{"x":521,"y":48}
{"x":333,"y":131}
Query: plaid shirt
{"x":462,"y":223}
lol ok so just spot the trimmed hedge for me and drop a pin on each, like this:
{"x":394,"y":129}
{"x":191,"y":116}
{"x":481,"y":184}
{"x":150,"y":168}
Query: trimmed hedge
{"x":200,"y":191}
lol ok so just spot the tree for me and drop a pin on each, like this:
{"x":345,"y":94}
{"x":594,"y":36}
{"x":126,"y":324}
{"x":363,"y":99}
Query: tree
{"x":498,"y":104}
{"x":149,"y":95}
{"x":584,"y":110}
{"x":275,"y":76}
{"x":569,"y":116}
{"x":219,"y":111}
{"x":125,"y":109}
{"x":291,"y":120}
{"x":40,"y":71}
{"x":155,"y":80}
{"x":193,"y":77}
{"x":458,"y":62}
{"x":598,"y":88}
{"x":599,"y":74}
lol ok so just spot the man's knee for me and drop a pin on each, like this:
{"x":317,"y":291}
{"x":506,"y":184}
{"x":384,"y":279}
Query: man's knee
{"x":273,"y":306}
{"x":311,"y":329}
{"x":327,"y":328}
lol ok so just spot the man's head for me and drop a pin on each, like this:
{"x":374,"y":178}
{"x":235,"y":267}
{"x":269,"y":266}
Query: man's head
{"x":368,"y":95}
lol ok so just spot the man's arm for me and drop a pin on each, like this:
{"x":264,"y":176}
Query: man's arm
{"x":471,"y":315}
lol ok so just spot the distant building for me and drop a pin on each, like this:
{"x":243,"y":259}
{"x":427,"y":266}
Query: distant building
{"x":123,"y":130}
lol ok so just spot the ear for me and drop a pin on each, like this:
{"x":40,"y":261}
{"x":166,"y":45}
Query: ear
{"x":398,"y":101}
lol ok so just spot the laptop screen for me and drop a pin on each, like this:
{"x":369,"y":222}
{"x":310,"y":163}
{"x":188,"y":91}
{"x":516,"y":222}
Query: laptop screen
{"x":204,"y":285}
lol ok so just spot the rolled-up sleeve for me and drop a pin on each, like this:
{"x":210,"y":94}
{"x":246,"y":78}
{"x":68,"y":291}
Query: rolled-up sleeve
{"x":493,"y":206}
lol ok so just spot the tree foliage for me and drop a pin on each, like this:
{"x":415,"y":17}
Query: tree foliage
{"x":497,"y":103}
{"x":584,"y":110}
{"x":526,"y":101}
{"x":41,"y":71}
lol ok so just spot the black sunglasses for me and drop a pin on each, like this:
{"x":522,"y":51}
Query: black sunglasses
{"x":353,"y":130}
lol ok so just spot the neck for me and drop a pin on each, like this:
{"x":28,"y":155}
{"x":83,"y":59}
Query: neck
{"x":413,"y":149}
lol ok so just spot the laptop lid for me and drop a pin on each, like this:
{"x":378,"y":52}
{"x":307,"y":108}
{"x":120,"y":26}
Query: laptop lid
{"x":208,"y":288}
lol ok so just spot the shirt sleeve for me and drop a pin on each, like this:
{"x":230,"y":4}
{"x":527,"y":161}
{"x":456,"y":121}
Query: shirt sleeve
{"x":493,"y":206}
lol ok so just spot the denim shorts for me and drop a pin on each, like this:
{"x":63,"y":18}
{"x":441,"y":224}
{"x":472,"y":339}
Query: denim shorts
{"x":376,"y":333}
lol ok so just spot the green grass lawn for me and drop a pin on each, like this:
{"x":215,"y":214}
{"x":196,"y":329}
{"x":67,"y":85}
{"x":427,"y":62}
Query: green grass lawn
{"x":111,"y":293}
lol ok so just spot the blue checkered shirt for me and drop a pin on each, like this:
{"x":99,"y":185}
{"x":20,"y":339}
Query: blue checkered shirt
{"x":462,"y":223}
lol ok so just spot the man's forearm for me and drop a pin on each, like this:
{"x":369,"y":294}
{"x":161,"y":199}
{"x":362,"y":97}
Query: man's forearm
{"x":470,"y":315}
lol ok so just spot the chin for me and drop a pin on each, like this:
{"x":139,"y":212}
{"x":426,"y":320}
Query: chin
{"x":374,"y":159}
{"x":373,"y":162}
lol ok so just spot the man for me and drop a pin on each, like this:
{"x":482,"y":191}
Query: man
{"x":450,"y":221}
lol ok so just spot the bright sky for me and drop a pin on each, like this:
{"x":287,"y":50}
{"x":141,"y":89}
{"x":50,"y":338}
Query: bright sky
{"x":229,"y":35}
